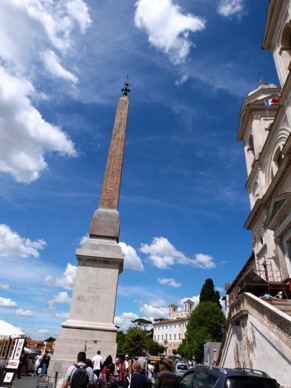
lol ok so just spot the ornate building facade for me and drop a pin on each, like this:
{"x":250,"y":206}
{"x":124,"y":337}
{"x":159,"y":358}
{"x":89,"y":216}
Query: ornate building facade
{"x":170,"y":332}
{"x":258,"y":332}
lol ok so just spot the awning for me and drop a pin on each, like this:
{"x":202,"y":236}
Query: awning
{"x":9,"y":331}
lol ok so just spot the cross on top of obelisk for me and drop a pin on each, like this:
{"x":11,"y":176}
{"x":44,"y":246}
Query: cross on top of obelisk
{"x":125,"y":90}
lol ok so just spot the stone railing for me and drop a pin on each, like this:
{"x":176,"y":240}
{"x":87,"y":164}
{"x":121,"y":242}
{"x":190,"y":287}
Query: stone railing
{"x":249,"y":304}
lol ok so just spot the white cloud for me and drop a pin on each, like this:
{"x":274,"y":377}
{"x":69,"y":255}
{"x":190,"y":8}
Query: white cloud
{"x":124,"y":321}
{"x":4,"y":286}
{"x":5,"y":302}
{"x":131,"y":259}
{"x":67,"y":280}
{"x":230,"y":7}
{"x":43,"y":331}
{"x":43,"y":36}
{"x":42,"y":25}
{"x":24,"y":313}
{"x":167,"y":28}
{"x":182,"y":79}
{"x":60,"y":297}
{"x":163,"y":255}
{"x":169,"y":282}
{"x":152,"y":312}
{"x":24,"y":135}
{"x":203,"y":261}
{"x":12,"y":245}
{"x":53,"y":66}
{"x":62,"y":315}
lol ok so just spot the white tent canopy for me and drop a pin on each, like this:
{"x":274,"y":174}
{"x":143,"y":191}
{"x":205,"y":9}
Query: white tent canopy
{"x":9,"y":331}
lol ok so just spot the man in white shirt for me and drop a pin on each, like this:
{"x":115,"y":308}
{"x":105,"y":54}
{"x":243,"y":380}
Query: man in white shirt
{"x":97,"y":363}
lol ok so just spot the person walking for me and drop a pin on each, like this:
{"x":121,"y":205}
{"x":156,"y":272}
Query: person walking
{"x":89,"y":363}
{"x":97,"y":363}
{"x":79,"y":374}
{"x":143,"y":363}
{"x":44,"y":363}
{"x":106,"y":364}
{"x":151,"y":373}
{"x":167,"y":378}
{"x":22,"y":362}
{"x":127,"y":367}
{"x":37,"y":362}
{"x":136,"y":379}
{"x":118,"y":371}
{"x":107,"y":379}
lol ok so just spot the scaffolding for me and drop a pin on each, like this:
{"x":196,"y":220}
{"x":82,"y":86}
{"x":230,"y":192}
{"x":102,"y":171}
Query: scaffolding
{"x":268,"y":268}
{"x":259,"y":276}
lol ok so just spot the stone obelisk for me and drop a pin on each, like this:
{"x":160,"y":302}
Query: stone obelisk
{"x":90,"y":324}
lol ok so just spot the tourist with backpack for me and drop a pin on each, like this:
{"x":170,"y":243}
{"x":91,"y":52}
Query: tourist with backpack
{"x":79,"y":375}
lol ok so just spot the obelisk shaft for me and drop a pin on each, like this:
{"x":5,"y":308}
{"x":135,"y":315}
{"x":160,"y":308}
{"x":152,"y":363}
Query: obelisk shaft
{"x":105,"y":222}
{"x":111,"y":184}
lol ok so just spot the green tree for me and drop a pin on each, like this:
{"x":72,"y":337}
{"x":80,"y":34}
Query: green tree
{"x":120,"y":338}
{"x":154,"y":348}
{"x":142,"y":323}
{"x":135,"y":340}
{"x":207,"y":293}
{"x":204,"y":325}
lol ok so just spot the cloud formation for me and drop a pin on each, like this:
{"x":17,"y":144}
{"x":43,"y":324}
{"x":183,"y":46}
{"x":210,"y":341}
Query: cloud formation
{"x":66,"y":281}
{"x":167,"y":27}
{"x":169,"y":282}
{"x":162,"y":254}
{"x":12,"y":245}
{"x":61,"y":297}
{"x":230,"y":7}
{"x":6,"y":302}
{"x":131,"y":259}
{"x":45,"y":40}
{"x":24,"y":313}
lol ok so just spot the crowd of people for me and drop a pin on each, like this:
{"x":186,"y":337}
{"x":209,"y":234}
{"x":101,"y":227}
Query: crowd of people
{"x":109,"y":373}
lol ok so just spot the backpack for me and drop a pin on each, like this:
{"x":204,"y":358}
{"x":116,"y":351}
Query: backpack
{"x":79,"y":377}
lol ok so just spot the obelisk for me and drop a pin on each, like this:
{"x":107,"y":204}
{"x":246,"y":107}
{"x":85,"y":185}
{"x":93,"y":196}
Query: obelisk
{"x":90,"y":324}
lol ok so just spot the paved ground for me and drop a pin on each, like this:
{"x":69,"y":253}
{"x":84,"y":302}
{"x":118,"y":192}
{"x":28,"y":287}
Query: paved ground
{"x":29,"y":382}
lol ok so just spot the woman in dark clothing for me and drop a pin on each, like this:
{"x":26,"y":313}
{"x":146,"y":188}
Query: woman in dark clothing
{"x":106,"y":363}
{"x":107,"y":379}
{"x":136,"y":379}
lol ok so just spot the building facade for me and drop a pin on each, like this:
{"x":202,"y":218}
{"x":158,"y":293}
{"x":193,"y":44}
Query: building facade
{"x":258,"y":332}
{"x":170,"y":332}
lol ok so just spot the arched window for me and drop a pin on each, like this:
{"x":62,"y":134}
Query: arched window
{"x":250,"y":152}
{"x":277,"y":161}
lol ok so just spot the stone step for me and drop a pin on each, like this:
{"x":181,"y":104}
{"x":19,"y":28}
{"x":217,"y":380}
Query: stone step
{"x":282,"y":304}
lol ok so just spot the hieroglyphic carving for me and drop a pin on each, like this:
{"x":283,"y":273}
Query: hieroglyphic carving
{"x":112,"y":179}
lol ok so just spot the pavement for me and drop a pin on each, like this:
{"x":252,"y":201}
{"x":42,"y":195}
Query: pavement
{"x":30,"y":382}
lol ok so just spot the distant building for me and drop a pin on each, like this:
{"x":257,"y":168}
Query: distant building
{"x":170,"y":332}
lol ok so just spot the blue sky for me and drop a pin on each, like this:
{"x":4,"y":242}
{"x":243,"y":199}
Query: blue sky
{"x":183,"y":204}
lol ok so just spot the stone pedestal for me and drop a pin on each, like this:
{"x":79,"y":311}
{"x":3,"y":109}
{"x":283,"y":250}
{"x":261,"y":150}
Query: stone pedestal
{"x":90,"y":325}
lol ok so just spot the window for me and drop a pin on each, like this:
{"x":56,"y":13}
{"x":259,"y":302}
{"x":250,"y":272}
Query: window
{"x":200,"y":380}
{"x":186,"y":381}
{"x":286,"y":46}
{"x":277,"y":161}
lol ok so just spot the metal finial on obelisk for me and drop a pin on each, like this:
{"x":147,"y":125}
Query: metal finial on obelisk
{"x":105,"y":222}
{"x":126,"y":90}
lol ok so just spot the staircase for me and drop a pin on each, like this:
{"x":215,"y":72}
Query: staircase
{"x":283,"y":305}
